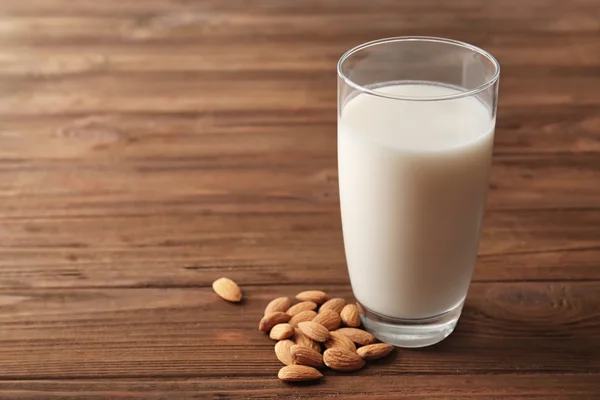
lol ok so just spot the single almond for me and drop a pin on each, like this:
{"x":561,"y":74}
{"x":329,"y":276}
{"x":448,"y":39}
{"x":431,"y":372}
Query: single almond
{"x":374,"y":351}
{"x":335,"y":304}
{"x":316,"y":296}
{"x":298,"y":373}
{"x":329,"y":319}
{"x":283,"y":351}
{"x":281,"y":332}
{"x":270,"y":320}
{"x":227,"y":290}
{"x":358,"y":336}
{"x":340,"y":359}
{"x":350,"y":316}
{"x":306,"y":315}
{"x":338,"y":340}
{"x":279,"y":304}
{"x":306,"y":356}
{"x":303,"y":340}
{"x":314,"y":330}
{"x":304,"y":306}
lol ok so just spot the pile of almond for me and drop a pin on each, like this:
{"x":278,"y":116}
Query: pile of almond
{"x":315,"y":323}
{"x":304,"y":329}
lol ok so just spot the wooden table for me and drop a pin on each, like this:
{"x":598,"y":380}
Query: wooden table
{"x":150,"y":147}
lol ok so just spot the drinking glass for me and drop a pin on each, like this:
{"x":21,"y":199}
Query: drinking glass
{"x":416,"y":118}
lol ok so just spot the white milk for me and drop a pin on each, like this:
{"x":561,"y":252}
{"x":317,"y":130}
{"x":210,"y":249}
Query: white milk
{"x":413,"y":179}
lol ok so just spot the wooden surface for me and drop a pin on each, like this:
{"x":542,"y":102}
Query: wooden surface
{"x":150,"y":147}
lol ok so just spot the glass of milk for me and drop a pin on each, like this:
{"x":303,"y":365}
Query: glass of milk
{"x":416,"y":120}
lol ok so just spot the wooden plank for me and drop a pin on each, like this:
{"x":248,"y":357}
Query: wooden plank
{"x":182,"y":249}
{"x":402,"y":386}
{"x":262,"y":181}
{"x":261,"y":136}
{"x":269,"y":19}
{"x":334,"y":7}
{"x":24,"y":61}
{"x":189,"y":268}
{"x":505,"y":328}
{"x":230,"y":92}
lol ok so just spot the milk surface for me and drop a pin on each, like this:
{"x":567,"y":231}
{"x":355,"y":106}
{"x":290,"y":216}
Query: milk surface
{"x":413,"y":178}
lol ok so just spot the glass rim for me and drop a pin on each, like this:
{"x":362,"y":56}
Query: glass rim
{"x":453,"y":42}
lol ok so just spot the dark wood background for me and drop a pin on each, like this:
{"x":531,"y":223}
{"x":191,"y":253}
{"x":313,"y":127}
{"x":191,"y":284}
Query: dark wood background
{"x":150,"y":147}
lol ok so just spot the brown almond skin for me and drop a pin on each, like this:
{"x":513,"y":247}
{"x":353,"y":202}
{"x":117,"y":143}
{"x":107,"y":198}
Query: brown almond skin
{"x":329,"y":319}
{"x":314,"y":331}
{"x":303,"y":340}
{"x":283,"y":351}
{"x":374,"y":351}
{"x":336,"y":339}
{"x":358,"y":336}
{"x":304,"y":306}
{"x":227,"y":289}
{"x":350,"y":316}
{"x":298,"y":373}
{"x":340,"y":359}
{"x":336,"y":304}
{"x":270,"y":320}
{"x":281,"y":332}
{"x":306,"y":315}
{"x":306,"y":356}
{"x":316,"y":296}
{"x":279,"y":304}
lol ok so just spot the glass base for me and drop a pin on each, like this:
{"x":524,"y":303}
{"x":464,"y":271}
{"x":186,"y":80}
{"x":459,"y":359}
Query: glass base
{"x":410,"y":333}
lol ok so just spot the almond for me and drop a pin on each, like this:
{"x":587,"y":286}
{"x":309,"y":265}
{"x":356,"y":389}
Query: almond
{"x":314,"y":330}
{"x":316,"y":296}
{"x":270,"y":320}
{"x":303,"y":340}
{"x":307,"y":356}
{"x":307,"y":315}
{"x":358,"y":336}
{"x":335,"y":304}
{"x":304,"y":306}
{"x":298,"y":373}
{"x":279,"y":304}
{"x":227,"y":290}
{"x":338,"y":340}
{"x":281,"y":332}
{"x":350,"y":316}
{"x":340,"y":359}
{"x":374,"y":351}
{"x":283,"y":351}
{"x":329,"y":319}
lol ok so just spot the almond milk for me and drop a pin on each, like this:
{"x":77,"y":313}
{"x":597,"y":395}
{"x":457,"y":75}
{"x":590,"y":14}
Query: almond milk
{"x":413,"y":178}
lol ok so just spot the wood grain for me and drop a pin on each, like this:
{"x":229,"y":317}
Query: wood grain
{"x":150,"y":147}
{"x":267,"y":248}
{"x":85,"y":333}
{"x":511,"y":386}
